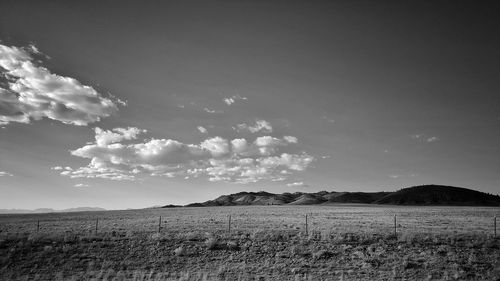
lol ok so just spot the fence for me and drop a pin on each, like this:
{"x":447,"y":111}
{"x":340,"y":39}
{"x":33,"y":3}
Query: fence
{"x":227,"y":225}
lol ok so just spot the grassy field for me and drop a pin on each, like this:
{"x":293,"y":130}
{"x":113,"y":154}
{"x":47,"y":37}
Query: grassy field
{"x":343,"y":242}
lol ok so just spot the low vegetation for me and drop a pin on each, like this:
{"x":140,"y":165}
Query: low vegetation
{"x":271,"y":243}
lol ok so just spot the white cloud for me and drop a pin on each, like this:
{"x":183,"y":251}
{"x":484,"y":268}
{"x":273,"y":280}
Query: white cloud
{"x":217,"y":146}
{"x":329,"y":120}
{"x":432,"y":139}
{"x":233,"y":99}
{"x":424,"y":138}
{"x":81,"y":185}
{"x":104,"y":138}
{"x":213,"y":111}
{"x":5,"y":174}
{"x":57,"y":168}
{"x":296,"y":184}
{"x":33,"y":92}
{"x":228,"y":101}
{"x":397,"y":176}
{"x":260,"y":125}
{"x":202,"y":130}
{"x":217,"y":158}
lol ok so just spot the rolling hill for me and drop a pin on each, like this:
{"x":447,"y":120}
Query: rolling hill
{"x":439,"y":195}
{"x":417,"y":195}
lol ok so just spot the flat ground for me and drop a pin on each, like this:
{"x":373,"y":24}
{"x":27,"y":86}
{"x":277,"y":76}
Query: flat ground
{"x":343,"y":242}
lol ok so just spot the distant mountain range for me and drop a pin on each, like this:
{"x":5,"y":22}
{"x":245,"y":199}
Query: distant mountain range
{"x":417,"y":195}
{"x":49,"y":210}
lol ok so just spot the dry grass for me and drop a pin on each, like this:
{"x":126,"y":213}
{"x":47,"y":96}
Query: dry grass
{"x":343,"y":243}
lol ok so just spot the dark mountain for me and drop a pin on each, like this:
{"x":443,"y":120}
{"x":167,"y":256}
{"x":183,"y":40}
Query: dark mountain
{"x":439,"y":195}
{"x":417,"y":195}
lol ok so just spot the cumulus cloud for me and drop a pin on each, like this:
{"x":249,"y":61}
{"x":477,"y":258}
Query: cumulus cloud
{"x":233,"y":99}
{"x":202,"y":130}
{"x":29,"y":91}
{"x":5,"y":174}
{"x":296,"y":184}
{"x":217,"y":146}
{"x":82,"y":185}
{"x":260,"y":125}
{"x":329,"y":120}
{"x":432,"y":139}
{"x":424,"y":138}
{"x":219,"y":159}
{"x":212,"y":111}
{"x":104,"y":137}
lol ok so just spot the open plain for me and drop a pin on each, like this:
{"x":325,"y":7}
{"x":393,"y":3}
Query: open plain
{"x":339,"y":242}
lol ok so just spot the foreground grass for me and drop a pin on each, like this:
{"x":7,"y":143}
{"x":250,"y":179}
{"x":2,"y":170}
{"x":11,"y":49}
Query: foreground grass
{"x":248,"y":255}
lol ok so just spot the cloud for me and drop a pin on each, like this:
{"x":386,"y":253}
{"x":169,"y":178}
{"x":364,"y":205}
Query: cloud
{"x":260,"y":125}
{"x":233,"y":99}
{"x":424,"y":138}
{"x":202,"y":130}
{"x":212,"y":111}
{"x":5,"y":174}
{"x":290,"y":139}
{"x":217,"y":158}
{"x":104,"y":137}
{"x":329,"y":120}
{"x":432,"y":139}
{"x":82,"y":185}
{"x":397,"y":176}
{"x":31,"y":92}
{"x":296,"y":184}
{"x":217,"y":146}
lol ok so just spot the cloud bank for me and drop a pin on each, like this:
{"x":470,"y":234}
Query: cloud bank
{"x":217,"y":158}
{"x":28,"y":91}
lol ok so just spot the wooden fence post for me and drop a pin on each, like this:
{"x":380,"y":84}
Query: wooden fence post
{"x":307,"y":227}
{"x":159,"y":225}
{"x":37,"y":226}
{"x":395,"y":226}
{"x":96,"y":224}
{"x":229,"y":225}
{"x":495,"y":226}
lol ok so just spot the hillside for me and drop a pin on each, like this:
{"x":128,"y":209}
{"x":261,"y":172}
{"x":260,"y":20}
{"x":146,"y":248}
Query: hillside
{"x":417,"y":195}
{"x":440,"y":195}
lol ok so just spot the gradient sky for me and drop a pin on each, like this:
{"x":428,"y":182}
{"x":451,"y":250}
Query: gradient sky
{"x":379,"y":96}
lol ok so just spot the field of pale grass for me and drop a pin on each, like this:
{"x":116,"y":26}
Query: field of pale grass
{"x":343,"y":242}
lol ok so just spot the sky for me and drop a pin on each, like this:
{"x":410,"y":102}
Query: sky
{"x":171,"y":102}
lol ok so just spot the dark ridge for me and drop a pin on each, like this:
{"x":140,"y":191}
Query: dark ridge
{"x":440,"y":195}
{"x":358,"y":197}
{"x":417,"y":195}
{"x":171,"y":206}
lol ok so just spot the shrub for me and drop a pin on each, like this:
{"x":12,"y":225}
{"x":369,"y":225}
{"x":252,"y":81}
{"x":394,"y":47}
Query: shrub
{"x":192,"y":236}
{"x":180,"y":251}
{"x":212,"y":243}
{"x":232,"y":245}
